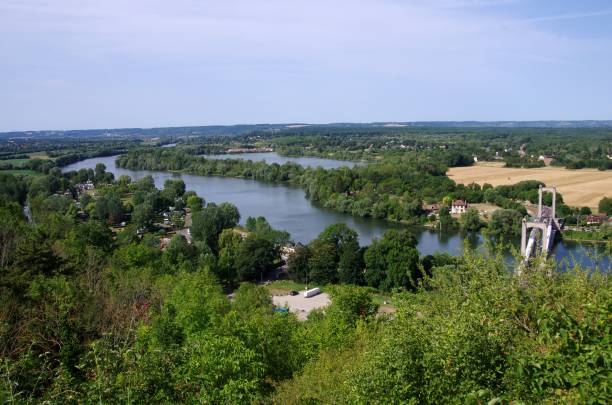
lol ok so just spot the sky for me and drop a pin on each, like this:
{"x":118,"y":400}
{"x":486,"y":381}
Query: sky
{"x":76,"y":64}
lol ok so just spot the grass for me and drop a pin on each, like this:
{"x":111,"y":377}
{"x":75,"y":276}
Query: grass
{"x":592,"y":236}
{"x":39,"y":155}
{"x":380,"y":299}
{"x":19,"y":162}
{"x":128,"y":199}
{"x":13,"y":161}
{"x":24,"y":172}
{"x":284,"y":286}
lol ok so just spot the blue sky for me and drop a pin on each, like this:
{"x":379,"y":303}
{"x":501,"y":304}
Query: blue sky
{"x":68,"y":64}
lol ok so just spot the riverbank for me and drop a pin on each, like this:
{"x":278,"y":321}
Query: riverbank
{"x":590,"y":237}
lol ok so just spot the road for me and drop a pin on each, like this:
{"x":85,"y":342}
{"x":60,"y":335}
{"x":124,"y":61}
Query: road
{"x":185,"y":231}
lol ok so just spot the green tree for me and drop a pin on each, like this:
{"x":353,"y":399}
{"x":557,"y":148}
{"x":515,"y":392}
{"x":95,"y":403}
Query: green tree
{"x":143,"y":215}
{"x":249,"y":297}
{"x":322,"y":265}
{"x":12,"y":230}
{"x":605,"y":205}
{"x":297,"y":264}
{"x":195,"y":203}
{"x":146,"y":184}
{"x":393,"y":261}
{"x":255,"y":257}
{"x":229,"y":245}
{"x":348,"y":255}
{"x":198,"y":302}
{"x":174,"y":189}
{"x":221,"y":369}
{"x":109,"y":207}
{"x":446,"y":220}
{"x":505,"y":224}
{"x":208,"y":223}
{"x":179,"y":251}
{"x":92,"y":233}
{"x":262,"y":228}
{"x":470,"y":220}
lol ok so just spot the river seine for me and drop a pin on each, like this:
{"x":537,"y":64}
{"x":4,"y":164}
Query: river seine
{"x":286,"y":208}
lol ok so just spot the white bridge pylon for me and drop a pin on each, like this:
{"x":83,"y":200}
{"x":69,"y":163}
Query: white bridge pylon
{"x":543,"y":227}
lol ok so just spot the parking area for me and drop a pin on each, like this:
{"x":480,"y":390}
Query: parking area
{"x":301,"y":306}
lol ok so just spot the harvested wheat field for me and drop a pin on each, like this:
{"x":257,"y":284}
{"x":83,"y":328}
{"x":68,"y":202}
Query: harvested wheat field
{"x":579,"y":187}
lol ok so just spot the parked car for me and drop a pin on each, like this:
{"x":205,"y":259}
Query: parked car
{"x":293,"y":292}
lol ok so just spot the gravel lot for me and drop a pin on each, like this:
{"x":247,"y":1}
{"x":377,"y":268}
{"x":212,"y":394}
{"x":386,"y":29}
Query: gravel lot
{"x":301,"y":306}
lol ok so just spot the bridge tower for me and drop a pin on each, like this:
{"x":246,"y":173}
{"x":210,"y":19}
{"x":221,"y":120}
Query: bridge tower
{"x":546,"y":222}
{"x":553,"y":190}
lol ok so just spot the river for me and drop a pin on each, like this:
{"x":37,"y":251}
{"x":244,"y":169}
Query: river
{"x":286,"y":208}
{"x":273,"y":157}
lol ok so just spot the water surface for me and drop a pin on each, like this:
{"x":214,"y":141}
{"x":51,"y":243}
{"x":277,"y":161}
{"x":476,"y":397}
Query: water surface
{"x":273,"y":157}
{"x":287,"y":208}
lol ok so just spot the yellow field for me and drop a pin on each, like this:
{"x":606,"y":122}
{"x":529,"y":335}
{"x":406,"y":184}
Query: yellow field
{"x":579,"y":187}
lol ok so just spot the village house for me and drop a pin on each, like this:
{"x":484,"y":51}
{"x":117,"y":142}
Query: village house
{"x":459,"y":207}
{"x":596,"y":219}
{"x":88,"y":185}
{"x":431,"y":209}
{"x":546,"y":159}
{"x":287,"y":251}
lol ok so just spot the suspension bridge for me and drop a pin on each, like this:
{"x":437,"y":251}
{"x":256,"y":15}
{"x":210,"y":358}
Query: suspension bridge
{"x":539,"y":233}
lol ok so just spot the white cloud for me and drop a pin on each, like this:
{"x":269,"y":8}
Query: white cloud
{"x":569,"y":16}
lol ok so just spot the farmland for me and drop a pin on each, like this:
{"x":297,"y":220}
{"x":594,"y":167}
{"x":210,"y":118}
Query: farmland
{"x":579,"y":187}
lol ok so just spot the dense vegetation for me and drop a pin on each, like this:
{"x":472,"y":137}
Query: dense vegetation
{"x":87,"y":317}
{"x":574,"y":148}
{"x":42,"y":155}
{"x":108,"y":296}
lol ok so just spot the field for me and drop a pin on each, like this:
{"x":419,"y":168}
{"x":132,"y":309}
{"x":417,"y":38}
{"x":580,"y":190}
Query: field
{"x":14,"y":162}
{"x":25,"y":172}
{"x":39,"y":155}
{"x":579,"y":187}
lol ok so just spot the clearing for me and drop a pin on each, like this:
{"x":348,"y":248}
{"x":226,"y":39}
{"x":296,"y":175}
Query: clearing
{"x":301,"y":306}
{"x":580,"y":188}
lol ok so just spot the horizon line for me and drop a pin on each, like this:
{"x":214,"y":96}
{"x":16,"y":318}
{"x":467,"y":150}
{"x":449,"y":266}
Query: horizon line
{"x":389,"y":124}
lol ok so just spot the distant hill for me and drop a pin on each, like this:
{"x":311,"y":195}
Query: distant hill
{"x":234,"y":130}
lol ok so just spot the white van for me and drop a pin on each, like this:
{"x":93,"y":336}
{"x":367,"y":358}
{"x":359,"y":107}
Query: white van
{"x":312,"y":292}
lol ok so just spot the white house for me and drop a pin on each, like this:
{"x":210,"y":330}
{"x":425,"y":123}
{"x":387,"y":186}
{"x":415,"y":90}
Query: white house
{"x":459,"y":207}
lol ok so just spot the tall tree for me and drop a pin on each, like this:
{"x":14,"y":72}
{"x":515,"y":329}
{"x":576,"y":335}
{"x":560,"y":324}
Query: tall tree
{"x":255,"y":257}
{"x":393,"y":261}
{"x":143,"y":215}
{"x":208,"y":223}
{"x":297,"y":264}
{"x":470,"y":220}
